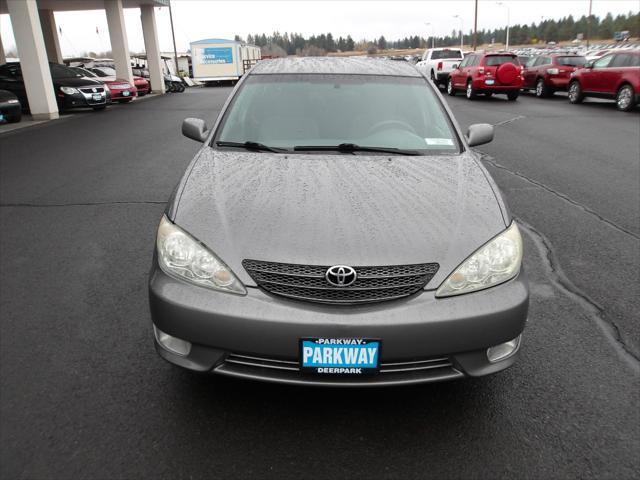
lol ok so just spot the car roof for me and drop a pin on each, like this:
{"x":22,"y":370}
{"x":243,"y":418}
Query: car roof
{"x":335,"y":65}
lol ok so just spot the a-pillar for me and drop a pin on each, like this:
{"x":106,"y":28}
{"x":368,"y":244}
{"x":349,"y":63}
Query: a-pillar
{"x":33,"y":59}
{"x":118,"y":36}
{"x":152,"y":47}
{"x":50,"y":35}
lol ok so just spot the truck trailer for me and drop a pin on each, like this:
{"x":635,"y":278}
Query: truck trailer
{"x":216,"y":59}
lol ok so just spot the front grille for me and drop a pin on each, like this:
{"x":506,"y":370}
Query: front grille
{"x":308,"y":282}
{"x":90,"y":89}
{"x":420,"y":370}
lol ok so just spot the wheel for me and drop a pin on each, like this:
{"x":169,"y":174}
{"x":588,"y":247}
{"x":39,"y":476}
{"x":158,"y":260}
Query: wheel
{"x":180,"y":87}
{"x":575,"y":92}
{"x":450,"y":90}
{"x":170,"y":87}
{"x":433,"y":77}
{"x":624,"y":98}
{"x":541,"y":89}
{"x":513,"y":96}
{"x":99,"y":107}
{"x":470,"y":92}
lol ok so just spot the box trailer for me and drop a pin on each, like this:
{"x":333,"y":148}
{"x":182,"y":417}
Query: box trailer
{"x":217,"y":59}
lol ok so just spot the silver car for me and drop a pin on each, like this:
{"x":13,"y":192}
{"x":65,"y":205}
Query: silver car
{"x":335,"y":228}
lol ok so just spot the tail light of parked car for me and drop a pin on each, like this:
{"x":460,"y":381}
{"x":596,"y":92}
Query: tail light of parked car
{"x":439,"y":66}
{"x":480,"y":70}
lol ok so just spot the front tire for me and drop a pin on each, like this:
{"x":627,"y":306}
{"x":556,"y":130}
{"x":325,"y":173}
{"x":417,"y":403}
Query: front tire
{"x":541,"y":89}
{"x":450,"y":88}
{"x":624,"y":98}
{"x":470,"y":92}
{"x":513,"y":96}
{"x":575,"y":92}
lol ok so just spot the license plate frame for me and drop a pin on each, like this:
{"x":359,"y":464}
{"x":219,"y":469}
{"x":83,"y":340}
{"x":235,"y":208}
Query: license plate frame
{"x":372,"y":367}
{"x":489,"y":81}
{"x":96,"y":97}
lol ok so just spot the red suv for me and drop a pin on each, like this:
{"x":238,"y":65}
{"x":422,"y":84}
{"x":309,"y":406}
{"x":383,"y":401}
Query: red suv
{"x":487,"y":73}
{"x":547,"y":74}
{"x":615,"y":76}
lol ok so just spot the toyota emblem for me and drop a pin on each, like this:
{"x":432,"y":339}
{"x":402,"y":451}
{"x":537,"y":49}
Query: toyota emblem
{"x":341,"y":275}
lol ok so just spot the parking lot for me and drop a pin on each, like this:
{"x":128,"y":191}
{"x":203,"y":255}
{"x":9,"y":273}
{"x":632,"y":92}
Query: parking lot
{"x":84,"y":393}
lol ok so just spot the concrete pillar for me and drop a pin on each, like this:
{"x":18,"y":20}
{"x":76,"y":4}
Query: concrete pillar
{"x":33,"y":59}
{"x":152,"y":47}
{"x":118,"y":36}
{"x":3,"y":58}
{"x":50,"y":35}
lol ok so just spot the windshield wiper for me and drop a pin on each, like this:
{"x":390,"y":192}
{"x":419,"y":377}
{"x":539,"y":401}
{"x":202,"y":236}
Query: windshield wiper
{"x":352,"y":147}
{"x":258,"y":147}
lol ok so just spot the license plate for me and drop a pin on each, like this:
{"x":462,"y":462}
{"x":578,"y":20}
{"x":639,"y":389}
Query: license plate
{"x":1,"y":117}
{"x":125,"y":93}
{"x":97,"y":97}
{"x":489,"y":82}
{"x":339,"y":356}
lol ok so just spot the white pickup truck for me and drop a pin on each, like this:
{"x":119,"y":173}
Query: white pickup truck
{"x":438,"y":63}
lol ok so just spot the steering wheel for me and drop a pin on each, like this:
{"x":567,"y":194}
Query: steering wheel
{"x":387,"y":124}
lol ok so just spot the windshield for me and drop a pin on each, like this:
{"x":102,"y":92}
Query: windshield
{"x":571,"y":61}
{"x":60,"y":71}
{"x":495,"y":60}
{"x":441,"y":54}
{"x":104,"y":71}
{"x":287,"y":111}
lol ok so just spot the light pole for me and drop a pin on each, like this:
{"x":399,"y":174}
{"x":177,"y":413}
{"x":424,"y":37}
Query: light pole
{"x":508,"y":21}
{"x":461,"y":31}
{"x":433,"y":38}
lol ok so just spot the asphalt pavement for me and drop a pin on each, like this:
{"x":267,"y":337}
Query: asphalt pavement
{"x":84,"y":395}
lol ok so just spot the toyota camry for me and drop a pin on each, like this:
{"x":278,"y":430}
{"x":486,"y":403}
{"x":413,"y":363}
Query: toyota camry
{"x":336,"y":228}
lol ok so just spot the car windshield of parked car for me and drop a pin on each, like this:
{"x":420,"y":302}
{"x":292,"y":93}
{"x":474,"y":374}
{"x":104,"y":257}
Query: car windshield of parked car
{"x":104,"y":71}
{"x":442,"y":54}
{"x":287,"y":111}
{"x":60,"y":71}
{"x":572,"y":61}
{"x":496,"y":60}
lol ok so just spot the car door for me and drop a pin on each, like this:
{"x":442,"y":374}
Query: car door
{"x":594,"y":79}
{"x":458,"y":76}
{"x":529,"y":73}
{"x":612,"y":76}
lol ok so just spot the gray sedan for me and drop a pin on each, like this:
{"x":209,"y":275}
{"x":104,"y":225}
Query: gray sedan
{"x":335,"y":228}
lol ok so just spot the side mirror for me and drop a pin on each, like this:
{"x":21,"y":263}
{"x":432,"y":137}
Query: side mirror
{"x":195,"y":129}
{"x":479,"y":134}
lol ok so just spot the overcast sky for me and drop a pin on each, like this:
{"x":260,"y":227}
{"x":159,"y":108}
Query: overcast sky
{"x":198,"y":19}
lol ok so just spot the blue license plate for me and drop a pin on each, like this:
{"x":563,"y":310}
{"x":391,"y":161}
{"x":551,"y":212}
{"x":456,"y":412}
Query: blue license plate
{"x":339,"y":356}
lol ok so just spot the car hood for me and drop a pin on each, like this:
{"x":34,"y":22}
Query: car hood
{"x":336,"y":209}
{"x":75,"y":82}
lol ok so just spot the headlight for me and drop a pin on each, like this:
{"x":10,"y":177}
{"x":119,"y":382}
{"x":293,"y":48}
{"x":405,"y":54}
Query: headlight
{"x":181,"y":255}
{"x":69,"y":90}
{"x":496,"y":262}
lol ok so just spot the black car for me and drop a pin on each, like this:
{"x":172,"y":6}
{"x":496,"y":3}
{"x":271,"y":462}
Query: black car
{"x":72,"y":90}
{"x":10,"y":108}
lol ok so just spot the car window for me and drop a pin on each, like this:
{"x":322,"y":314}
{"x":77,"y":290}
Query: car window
{"x":104,"y":71}
{"x":545,"y":61}
{"x":465,"y":62}
{"x":603,"y":62}
{"x":572,"y":61}
{"x":62,"y":71}
{"x":442,"y":54}
{"x":496,"y":60}
{"x":313,"y":109}
{"x":621,"y":60}
{"x":635,"y":61}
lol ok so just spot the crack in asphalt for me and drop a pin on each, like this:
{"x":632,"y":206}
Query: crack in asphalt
{"x":487,"y":158}
{"x":511,"y":120}
{"x":84,"y":204}
{"x":592,"y":309}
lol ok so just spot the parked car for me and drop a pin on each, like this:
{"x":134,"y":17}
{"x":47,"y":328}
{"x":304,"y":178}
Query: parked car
{"x":615,"y":76}
{"x":438,"y":63}
{"x":120,"y":89}
{"x":72,"y":90}
{"x":402,"y":265}
{"x":10,"y":108}
{"x":550,"y":73}
{"x":487,"y":73}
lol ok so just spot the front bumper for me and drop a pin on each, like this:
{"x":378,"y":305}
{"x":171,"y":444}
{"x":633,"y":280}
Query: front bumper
{"x":123,"y":94}
{"x":256,"y":336}
{"x":82,"y":100}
